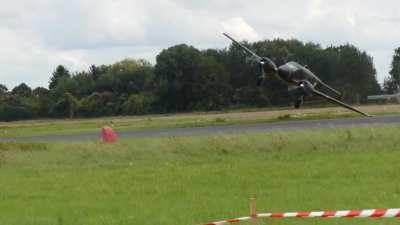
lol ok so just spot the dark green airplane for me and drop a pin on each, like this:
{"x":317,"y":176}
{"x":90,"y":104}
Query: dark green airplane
{"x":300,"y":80}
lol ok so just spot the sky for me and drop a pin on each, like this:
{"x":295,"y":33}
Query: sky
{"x":36,"y":36}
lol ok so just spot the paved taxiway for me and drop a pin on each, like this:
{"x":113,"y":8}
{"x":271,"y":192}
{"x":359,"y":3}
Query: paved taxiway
{"x":243,"y":128}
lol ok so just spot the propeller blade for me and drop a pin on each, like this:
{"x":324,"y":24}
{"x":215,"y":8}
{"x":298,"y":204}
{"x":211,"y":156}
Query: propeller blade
{"x":261,"y":78}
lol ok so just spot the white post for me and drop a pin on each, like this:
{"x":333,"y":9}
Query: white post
{"x":253,"y":211}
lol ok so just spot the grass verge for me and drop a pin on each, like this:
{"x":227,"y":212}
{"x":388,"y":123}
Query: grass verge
{"x":151,"y":122}
{"x":191,"y":180}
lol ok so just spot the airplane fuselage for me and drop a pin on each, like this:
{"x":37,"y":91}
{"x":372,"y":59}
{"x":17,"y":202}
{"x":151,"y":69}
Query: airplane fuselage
{"x":293,"y":74}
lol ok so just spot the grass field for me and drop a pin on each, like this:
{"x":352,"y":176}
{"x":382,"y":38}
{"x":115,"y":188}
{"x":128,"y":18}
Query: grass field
{"x":45,"y":127}
{"x":193,"y":180}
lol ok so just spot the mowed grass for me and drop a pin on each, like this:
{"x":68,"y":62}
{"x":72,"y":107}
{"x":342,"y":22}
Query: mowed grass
{"x":198,"y":119}
{"x":194,"y":180}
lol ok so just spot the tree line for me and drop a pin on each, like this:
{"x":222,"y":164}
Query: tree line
{"x":188,"y":79}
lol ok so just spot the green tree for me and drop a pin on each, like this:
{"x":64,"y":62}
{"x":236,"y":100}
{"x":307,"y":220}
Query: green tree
{"x":60,"y":73}
{"x":64,"y":85}
{"x":211,"y":89}
{"x":99,"y":104}
{"x":3,"y":89}
{"x":42,"y":96}
{"x":22,"y":90}
{"x":96,"y":71}
{"x":186,"y":79}
{"x":14,"y":107}
{"x":138,"y":104}
{"x":131,"y":76}
{"x":81,"y":84}
{"x":176,"y":70}
{"x":355,"y":73}
{"x":392,"y":84}
{"x":395,"y":67}
{"x":67,"y":105}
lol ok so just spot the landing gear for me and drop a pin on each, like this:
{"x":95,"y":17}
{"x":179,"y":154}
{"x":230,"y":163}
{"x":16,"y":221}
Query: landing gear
{"x":298,"y":102}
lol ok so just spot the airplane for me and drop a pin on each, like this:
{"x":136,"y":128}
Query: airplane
{"x":301,"y":81}
{"x":386,"y":97}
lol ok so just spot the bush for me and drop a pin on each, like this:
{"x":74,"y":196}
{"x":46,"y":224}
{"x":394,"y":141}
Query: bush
{"x":138,"y":104}
{"x":98,"y":104}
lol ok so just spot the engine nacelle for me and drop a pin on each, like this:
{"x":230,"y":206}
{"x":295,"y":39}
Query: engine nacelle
{"x":306,"y":87}
{"x":303,"y":89}
{"x":297,"y":94}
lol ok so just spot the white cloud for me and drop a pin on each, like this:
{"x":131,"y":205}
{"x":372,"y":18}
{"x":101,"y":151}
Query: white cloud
{"x":36,"y":36}
{"x":238,"y":27}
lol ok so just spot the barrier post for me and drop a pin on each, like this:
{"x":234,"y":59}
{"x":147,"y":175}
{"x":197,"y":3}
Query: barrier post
{"x":253,"y":211}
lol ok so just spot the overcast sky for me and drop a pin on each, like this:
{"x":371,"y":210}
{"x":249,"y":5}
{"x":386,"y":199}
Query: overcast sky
{"x":38,"y":35}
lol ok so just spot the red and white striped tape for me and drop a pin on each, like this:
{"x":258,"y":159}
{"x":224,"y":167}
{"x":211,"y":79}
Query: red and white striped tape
{"x":376,"y":213}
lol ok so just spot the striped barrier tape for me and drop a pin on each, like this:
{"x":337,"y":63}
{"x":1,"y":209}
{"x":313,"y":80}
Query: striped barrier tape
{"x":374,"y":213}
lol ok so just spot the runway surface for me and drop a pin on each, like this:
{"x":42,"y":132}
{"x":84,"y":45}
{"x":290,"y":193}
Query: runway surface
{"x":244,"y":128}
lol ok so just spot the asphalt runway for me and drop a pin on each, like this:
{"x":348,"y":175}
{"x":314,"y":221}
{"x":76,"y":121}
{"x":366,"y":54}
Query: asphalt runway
{"x":243,"y":128}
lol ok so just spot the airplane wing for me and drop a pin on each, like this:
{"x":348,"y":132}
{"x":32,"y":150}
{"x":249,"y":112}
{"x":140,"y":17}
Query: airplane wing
{"x":316,"y":92}
{"x":244,"y":47}
{"x":330,"y":88}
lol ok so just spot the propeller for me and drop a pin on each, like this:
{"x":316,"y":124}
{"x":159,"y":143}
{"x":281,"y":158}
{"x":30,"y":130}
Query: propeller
{"x":306,"y":87}
{"x":260,"y":62}
{"x":261,"y":78}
